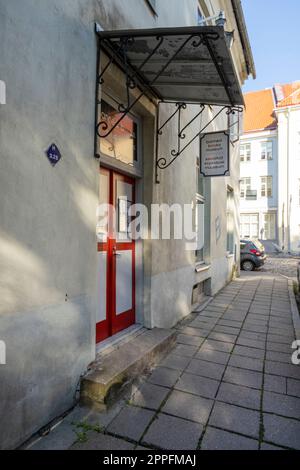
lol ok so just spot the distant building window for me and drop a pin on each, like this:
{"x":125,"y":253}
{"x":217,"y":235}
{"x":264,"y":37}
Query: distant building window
{"x":152,"y":5}
{"x":245,"y":152}
{"x":230,"y":220}
{"x":267,"y":150}
{"x":269,"y":226}
{"x":249,"y":226}
{"x":266,"y":186}
{"x":245,"y":187}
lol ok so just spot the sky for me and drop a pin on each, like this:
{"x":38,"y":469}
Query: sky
{"x":274,"y":31}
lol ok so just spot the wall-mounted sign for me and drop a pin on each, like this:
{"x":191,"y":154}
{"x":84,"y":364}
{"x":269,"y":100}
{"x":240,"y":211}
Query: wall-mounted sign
{"x":214,"y":154}
{"x":53,"y":154}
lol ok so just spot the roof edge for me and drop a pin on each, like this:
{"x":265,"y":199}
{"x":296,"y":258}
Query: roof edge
{"x":241,"y":23}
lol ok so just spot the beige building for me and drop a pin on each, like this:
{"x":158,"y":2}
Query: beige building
{"x":69,"y":281}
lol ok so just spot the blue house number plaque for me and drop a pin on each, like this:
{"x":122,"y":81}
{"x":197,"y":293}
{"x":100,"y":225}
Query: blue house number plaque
{"x":53,"y":154}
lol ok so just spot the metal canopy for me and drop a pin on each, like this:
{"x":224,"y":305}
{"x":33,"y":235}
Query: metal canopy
{"x":179,"y":66}
{"x":190,"y":64}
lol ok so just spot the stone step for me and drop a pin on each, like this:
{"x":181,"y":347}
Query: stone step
{"x":111,"y":372}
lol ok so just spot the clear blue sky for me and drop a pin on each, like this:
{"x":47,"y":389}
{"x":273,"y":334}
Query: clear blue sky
{"x":274,"y":31}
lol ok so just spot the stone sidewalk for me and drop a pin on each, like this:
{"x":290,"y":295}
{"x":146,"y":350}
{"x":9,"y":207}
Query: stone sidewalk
{"x":228,"y":384}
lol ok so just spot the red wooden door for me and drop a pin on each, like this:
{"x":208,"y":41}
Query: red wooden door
{"x":116,"y":257}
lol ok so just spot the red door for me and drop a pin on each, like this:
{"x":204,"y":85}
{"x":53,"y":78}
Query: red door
{"x":116,"y":256}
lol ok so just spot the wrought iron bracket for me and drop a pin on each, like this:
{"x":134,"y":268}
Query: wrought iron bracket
{"x":163,"y":162}
{"x":134,"y":77}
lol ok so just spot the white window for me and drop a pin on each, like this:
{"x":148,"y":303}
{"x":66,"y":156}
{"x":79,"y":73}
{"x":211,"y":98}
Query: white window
{"x":267,"y":150}
{"x":245,"y":187}
{"x":299,"y":192}
{"x":266,"y":186}
{"x":230,"y":220}
{"x":269,"y":226}
{"x":249,"y":226}
{"x":245,"y":152}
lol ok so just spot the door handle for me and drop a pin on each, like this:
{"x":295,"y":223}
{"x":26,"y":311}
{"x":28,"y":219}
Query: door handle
{"x":115,"y":253}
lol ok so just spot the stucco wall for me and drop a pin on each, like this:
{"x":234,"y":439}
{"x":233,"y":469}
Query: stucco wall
{"x":48,"y":215}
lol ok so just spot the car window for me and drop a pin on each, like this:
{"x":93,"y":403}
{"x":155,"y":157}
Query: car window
{"x":257,"y":244}
{"x":243,"y":245}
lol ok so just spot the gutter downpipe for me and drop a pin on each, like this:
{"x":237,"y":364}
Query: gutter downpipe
{"x":288,"y":200}
{"x":240,"y":20}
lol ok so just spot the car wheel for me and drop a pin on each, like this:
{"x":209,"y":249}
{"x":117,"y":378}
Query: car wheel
{"x":248,"y":265}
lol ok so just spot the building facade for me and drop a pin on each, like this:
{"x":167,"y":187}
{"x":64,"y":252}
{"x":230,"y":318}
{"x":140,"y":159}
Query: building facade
{"x":68,"y":281}
{"x":269,"y":186}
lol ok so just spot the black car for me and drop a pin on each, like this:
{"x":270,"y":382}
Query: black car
{"x":252,"y":255}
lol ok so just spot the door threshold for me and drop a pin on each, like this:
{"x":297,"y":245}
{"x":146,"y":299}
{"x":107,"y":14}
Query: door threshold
{"x":110,"y":344}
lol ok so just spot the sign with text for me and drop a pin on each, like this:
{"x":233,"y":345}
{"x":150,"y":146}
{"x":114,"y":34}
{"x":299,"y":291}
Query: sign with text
{"x":214,"y":154}
{"x":53,"y":154}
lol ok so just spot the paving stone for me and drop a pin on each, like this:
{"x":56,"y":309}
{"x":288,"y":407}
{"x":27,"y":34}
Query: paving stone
{"x":253,"y":336}
{"x":278,"y":357}
{"x":213,"y":356}
{"x":170,"y":433}
{"x":185,"y":350}
{"x":246,"y":363}
{"x":60,"y":438}
{"x":266,"y":446}
{"x":249,"y":352}
{"x":282,"y":431}
{"x":206,"y":369}
{"x":206,"y":327}
{"x":197,"y":385}
{"x":234,"y":324}
{"x":275,"y":383}
{"x":247,"y":378}
{"x":251,"y":343}
{"x":216,"y":439}
{"x":261,"y":329}
{"x":224,"y":337}
{"x":150,"y":396}
{"x":217,"y":346}
{"x":194,"y":332}
{"x":98,"y":441}
{"x":164,"y":376}
{"x":173,"y":361}
{"x":131,"y":422}
{"x":293,"y":387}
{"x":238,"y":395}
{"x":185,"y":405}
{"x":278,"y":347}
{"x":284,"y":370}
{"x":283,"y":405}
{"x":281,"y":339}
{"x":236,"y":419}
{"x":191,"y":340}
{"x":226,"y":329}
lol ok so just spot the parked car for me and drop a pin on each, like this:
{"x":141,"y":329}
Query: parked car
{"x":298,"y":275}
{"x":252,"y":254}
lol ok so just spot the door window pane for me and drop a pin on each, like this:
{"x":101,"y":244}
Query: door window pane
{"x":121,"y":143}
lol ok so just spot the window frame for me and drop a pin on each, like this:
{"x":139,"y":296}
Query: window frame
{"x":230,"y":239}
{"x":266,"y":152}
{"x":245,"y":156}
{"x":137,"y":165}
{"x":244,"y":186}
{"x":265,"y":187}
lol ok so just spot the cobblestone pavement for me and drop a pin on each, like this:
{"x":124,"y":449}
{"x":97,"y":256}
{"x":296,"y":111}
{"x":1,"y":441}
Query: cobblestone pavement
{"x":229,"y":383}
{"x":279,"y":264}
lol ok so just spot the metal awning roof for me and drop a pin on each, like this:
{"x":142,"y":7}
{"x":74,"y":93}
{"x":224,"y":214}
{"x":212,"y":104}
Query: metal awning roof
{"x":190,"y":64}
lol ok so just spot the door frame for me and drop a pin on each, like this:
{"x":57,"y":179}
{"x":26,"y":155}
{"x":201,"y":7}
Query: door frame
{"x":114,"y":323}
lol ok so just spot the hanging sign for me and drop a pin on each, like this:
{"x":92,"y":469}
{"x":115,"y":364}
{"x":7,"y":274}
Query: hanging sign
{"x":214,"y":154}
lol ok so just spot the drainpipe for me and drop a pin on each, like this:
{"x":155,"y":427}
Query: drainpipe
{"x":288,"y":202}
